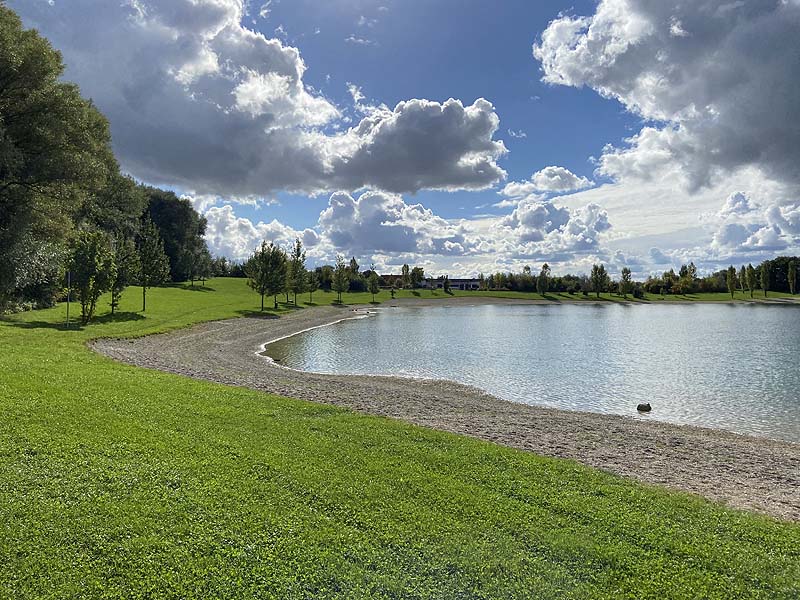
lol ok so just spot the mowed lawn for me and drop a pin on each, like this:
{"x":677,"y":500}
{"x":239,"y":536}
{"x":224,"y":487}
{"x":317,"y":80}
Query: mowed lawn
{"x":119,"y":482}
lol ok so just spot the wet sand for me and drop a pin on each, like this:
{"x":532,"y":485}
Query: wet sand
{"x":743,"y":472}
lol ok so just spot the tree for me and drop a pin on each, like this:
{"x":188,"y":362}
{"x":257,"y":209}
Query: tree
{"x":765,"y":277}
{"x":220,"y":267}
{"x":417,"y":276}
{"x":341,"y":278}
{"x":393,"y":288}
{"x":312,"y":285}
{"x":181,"y":228}
{"x":54,"y":153}
{"x":405,"y":278}
{"x":751,"y":279}
{"x":542,"y":280}
{"x":791,"y":276}
{"x":116,"y":207}
{"x":204,"y":267}
{"x":446,"y":284}
{"x":354,"y":266}
{"x":266,"y":271}
{"x":92,"y":268}
{"x":373,"y":284}
{"x":599,"y":279}
{"x":153,"y":262}
{"x":731,"y":279}
{"x":625,"y":282}
{"x":126,"y":260}
{"x":196,"y":259}
{"x":325,"y":276}
{"x":743,"y":279}
{"x":482,"y":282}
{"x":296,"y":277}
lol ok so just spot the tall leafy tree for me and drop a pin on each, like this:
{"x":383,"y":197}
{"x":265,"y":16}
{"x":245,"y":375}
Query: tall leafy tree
{"x":296,"y":275}
{"x":417,"y":276}
{"x":405,"y":277}
{"x":266,"y":271}
{"x":181,"y":228}
{"x":599,"y":278}
{"x":116,"y":208}
{"x":312,"y":285}
{"x":731,"y":280}
{"x":373,"y":284}
{"x":153,"y":261}
{"x":92,"y":269}
{"x":625,"y":282}
{"x":751,"y":279}
{"x":542,"y":281}
{"x":341,"y":278}
{"x":205,"y":266}
{"x":54,"y":152}
{"x":126,"y":259}
{"x":743,"y":279}
{"x":765,"y":277}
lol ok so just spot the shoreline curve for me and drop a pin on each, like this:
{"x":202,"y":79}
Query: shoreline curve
{"x":743,"y":472}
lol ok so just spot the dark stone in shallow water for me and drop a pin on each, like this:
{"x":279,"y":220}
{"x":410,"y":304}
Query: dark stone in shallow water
{"x":644,"y":407}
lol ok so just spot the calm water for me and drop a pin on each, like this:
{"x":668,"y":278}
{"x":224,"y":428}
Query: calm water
{"x":727,"y":366}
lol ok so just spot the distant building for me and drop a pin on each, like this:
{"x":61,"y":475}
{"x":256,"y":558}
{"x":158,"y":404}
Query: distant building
{"x":426,"y":284}
{"x":455,"y":284}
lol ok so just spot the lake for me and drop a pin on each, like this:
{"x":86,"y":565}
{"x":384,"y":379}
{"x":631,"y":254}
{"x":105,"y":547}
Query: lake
{"x":732,"y":367}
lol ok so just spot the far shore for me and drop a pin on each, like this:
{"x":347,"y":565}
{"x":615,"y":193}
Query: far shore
{"x":743,"y":472}
{"x":426,"y":299}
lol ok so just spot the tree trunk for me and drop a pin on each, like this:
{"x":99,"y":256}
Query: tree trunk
{"x":144,"y":298}
{"x":276,"y":302}
{"x":262,"y":302}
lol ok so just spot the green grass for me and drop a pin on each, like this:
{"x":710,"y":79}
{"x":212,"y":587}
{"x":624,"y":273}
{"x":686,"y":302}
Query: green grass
{"x":122,"y":482}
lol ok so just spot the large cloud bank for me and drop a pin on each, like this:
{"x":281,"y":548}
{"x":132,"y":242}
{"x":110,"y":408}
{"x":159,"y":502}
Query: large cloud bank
{"x":720,"y":82}
{"x":197,"y":100}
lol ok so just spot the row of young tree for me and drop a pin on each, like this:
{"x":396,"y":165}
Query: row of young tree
{"x":777,"y":275}
{"x":598,"y":281}
{"x":271,"y":271}
{"x":68,"y":217}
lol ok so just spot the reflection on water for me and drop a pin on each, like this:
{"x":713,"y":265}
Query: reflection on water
{"x":728,"y":366}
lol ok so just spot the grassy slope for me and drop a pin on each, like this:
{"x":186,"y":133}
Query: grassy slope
{"x":122,"y":482}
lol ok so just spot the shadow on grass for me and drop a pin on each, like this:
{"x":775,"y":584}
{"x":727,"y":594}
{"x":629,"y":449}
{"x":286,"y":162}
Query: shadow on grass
{"x":75,"y":324}
{"x":62,"y":326}
{"x":119,"y":317}
{"x":189,"y":287}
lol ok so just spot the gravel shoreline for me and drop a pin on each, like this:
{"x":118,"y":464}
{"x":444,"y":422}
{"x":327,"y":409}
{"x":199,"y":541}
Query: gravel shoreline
{"x":743,"y":472}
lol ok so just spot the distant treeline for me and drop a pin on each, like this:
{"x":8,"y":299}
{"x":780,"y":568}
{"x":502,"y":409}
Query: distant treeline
{"x":64,"y":205}
{"x":776,"y":275}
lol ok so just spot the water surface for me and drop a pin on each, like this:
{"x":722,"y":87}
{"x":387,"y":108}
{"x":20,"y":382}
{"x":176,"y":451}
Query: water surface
{"x":733,"y":367}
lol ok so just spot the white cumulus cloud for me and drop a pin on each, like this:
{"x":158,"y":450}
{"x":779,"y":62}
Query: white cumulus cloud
{"x":720,"y":79}
{"x":198,"y":101}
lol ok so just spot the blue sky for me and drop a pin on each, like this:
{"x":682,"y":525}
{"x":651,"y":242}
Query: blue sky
{"x":464,"y":49}
{"x":639,"y":133}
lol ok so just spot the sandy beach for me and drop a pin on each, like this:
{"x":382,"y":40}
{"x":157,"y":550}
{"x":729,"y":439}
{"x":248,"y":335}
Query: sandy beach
{"x":743,"y":472}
